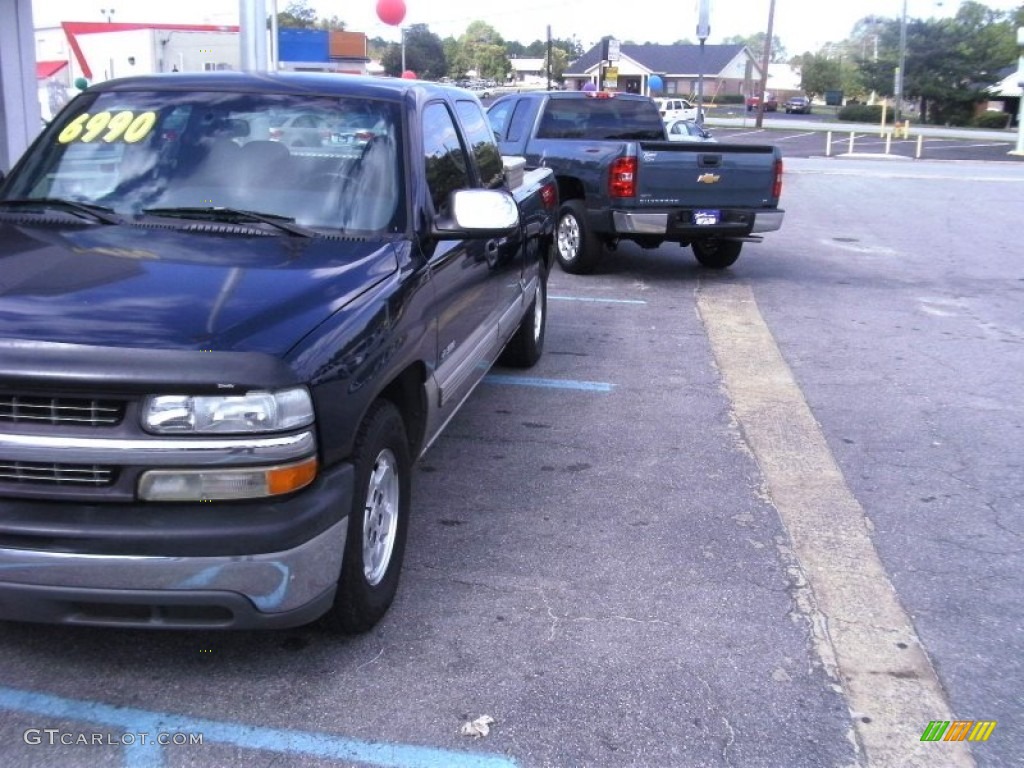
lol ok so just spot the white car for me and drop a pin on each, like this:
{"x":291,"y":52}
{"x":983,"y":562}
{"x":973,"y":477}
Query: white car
{"x":686,"y":130}
{"x":676,"y":109}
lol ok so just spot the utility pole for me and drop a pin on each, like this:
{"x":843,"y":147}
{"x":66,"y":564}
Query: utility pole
{"x":548,"y":67}
{"x":765,"y":61}
{"x":902,"y":65}
{"x":1019,"y":151}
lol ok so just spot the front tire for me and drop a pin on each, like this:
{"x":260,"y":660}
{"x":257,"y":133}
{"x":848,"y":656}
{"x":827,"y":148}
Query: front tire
{"x":716,"y":254}
{"x":527,"y":344}
{"x":576,"y":247}
{"x":378,"y":522}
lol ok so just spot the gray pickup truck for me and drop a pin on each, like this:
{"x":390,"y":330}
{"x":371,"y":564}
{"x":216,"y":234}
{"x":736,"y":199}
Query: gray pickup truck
{"x":619,"y":179}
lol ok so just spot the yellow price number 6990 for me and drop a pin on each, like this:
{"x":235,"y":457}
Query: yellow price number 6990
{"x":125,"y":125}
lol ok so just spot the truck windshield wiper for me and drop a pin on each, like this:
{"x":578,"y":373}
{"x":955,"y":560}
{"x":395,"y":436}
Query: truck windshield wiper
{"x":100,"y":213}
{"x":234,"y":216}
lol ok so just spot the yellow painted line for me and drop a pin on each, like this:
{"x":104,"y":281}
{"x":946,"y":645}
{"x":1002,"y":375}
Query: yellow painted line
{"x":864,"y":637}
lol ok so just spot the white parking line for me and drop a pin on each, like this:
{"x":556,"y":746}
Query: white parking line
{"x":863,"y":635}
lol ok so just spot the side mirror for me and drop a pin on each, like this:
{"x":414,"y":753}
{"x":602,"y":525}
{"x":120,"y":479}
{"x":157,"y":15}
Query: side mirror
{"x":477,"y":213}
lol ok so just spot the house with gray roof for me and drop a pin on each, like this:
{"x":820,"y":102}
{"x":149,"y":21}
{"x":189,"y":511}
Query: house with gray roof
{"x":728,"y":69}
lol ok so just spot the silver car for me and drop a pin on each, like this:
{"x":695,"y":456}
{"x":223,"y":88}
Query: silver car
{"x":686,"y":130}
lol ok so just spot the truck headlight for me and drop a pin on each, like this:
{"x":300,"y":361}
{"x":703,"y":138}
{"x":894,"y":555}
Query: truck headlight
{"x":252,"y":412}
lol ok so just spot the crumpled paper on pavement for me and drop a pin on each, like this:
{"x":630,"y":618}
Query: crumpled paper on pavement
{"x":477,"y":728}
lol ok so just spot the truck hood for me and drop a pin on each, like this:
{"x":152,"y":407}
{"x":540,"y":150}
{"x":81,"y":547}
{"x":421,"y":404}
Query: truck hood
{"x":168,"y":288}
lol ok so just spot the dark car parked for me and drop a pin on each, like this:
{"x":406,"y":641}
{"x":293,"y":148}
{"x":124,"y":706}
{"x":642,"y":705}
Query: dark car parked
{"x":798,"y":105}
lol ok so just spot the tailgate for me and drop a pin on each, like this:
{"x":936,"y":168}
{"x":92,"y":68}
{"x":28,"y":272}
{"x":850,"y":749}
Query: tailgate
{"x":706,"y":175}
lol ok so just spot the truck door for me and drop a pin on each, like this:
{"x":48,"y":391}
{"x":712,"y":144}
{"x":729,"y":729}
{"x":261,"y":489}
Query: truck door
{"x":505,"y":254}
{"x":460,"y":270}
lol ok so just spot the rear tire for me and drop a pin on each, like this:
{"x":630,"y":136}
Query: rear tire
{"x":716,"y":254}
{"x":576,"y":247}
{"x":378,"y":522}
{"x":527,"y":344}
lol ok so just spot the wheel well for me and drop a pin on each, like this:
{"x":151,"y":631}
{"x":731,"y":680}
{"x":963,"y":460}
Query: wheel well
{"x":407,"y":393}
{"x":570,"y":188}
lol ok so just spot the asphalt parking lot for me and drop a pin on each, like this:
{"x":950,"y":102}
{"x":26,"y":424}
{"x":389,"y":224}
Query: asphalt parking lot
{"x":641,"y":552}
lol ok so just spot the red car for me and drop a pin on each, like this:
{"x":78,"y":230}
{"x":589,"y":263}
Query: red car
{"x":770,"y":102}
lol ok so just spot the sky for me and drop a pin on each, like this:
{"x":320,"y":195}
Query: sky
{"x":800,"y":25}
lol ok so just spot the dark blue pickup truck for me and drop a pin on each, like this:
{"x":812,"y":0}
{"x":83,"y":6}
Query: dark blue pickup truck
{"x":234,"y":309}
{"x":620,"y":179}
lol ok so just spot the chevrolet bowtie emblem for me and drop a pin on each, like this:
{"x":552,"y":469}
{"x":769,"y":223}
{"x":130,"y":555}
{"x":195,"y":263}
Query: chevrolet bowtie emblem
{"x":708,"y":178}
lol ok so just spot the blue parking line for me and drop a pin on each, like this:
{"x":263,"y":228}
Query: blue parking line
{"x":525,"y":381}
{"x":596,"y":300}
{"x":319,"y":745}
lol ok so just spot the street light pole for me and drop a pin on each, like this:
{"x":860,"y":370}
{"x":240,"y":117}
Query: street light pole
{"x":902,"y":64}
{"x":703,"y":31}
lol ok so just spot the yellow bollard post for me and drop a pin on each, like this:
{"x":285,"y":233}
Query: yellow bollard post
{"x":906,"y":129}
{"x":881,"y":131}
{"x":920,"y":143}
{"x":888,"y":142}
{"x":852,"y":137}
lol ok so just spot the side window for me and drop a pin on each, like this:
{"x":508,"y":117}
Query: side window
{"x":444,"y":157}
{"x":497,"y":116}
{"x":478,"y":130}
{"x":519,"y":124}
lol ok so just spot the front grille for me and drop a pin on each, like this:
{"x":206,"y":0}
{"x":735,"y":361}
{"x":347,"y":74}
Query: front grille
{"x":33,"y":473}
{"x":73,"y":411}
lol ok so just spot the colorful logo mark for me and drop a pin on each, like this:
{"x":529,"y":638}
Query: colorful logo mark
{"x":958,"y":730}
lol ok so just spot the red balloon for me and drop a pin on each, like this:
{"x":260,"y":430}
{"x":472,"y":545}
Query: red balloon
{"x":409,"y":75}
{"x":391,"y":11}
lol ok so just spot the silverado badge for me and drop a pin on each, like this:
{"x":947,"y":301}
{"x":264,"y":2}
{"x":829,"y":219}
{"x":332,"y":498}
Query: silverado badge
{"x":708,"y":178}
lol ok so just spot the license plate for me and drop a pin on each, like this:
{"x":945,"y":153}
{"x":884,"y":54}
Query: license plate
{"x":706,"y":218}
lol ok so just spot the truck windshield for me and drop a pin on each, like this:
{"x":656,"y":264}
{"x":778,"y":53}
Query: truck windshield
{"x":322,"y":162}
{"x":601,"y":118}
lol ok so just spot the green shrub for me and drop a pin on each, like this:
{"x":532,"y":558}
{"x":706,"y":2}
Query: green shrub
{"x":863,"y":113}
{"x":729,"y":98}
{"x":992,"y":120}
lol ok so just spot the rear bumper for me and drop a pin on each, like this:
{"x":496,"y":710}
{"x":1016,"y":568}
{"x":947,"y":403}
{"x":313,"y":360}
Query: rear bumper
{"x":236,"y":573}
{"x":677,"y":225}
{"x":767,"y":221}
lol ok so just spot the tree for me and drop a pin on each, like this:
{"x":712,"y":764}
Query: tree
{"x":297,"y":15}
{"x":331,"y":24}
{"x":482,"y":50}
{"x":946,"y":60}
{"x":819,"y":73}
{"x":424,"y":54}
{"x":755,"y":43}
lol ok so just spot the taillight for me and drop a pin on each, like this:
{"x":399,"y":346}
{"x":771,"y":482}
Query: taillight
{"x":777,"y":186}
{"x":549,"y":196}
{"x":622,"y":177}
{"x":364,"y":135}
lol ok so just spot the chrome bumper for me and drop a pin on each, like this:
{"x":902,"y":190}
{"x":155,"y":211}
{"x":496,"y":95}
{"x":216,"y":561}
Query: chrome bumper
{"x":270,"y":590}
{"x":640,"y":223}
{"x":767,"y":221}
